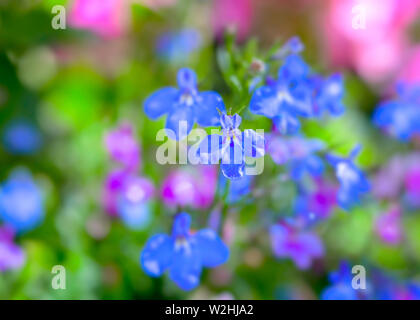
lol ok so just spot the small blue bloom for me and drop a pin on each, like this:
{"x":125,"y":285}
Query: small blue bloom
{"x":183,"y":253}
{"x":134,"y":204}
{"x":184,"y":106}
{"x":231,"y":147}
{"x":353,"y":182}
{"x":329,"y":95}
{"x":238,"y":188}
{"x":340,"y":288}
{"x":292,"y":46}
{"x":288,"y":98}
{"x":21,"y":137}
{"x":21,"y":202}
{"x":400,"y":116}
{"x":177,"y":46}
{"x":299,"y":153}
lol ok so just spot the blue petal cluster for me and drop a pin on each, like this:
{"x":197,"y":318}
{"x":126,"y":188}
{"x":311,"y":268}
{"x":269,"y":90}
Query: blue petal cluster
{"x":353,"y":182}
{"x":287,"y":98}
{"x":401,"y":116}
{"x":183,"y":253}
{"x":21,"y":202}
{"x":231,"y":147}
{"x":184,"y":106}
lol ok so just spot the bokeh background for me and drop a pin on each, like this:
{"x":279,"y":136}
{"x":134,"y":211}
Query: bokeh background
{"x":62,"y":91}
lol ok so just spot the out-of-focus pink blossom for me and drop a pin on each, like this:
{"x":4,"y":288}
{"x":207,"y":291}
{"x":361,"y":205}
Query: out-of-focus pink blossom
{"x":195,"y":188}
{"x":412,"y":185}
{"x":388,"y":226}
{"x":376,"y":50}
{"x":11,"y":255}
{"x":323,"y":200}
{"x":299,"y":245}
{"x":123,"y":147}
{"x":112,"y":189}
{"x":235,"y":14}
{"x":107,"y":18}
{"x":410,"y":73}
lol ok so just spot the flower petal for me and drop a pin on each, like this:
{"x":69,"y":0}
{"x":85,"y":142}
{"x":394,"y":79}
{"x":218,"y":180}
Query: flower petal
{"x":265,"y":102}
{"x":213,"y":251}
{"x":157,"y":255}
{"x":254,"y":144}
{"x":160,"y":102}
{"x":186,"y":268}
{"x":233,"y":163}
{"x":208,"y":107}
{"x":209,"y":150}
{"x":179,"y":122}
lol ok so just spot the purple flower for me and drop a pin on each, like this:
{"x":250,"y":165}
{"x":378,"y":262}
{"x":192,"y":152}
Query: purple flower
{"x":195,"y":188}
{"x":133,"y":202}
{"x":112,"y":189}
{"x":231,"y":147}
{"x":11,"y":255}
{"x":184,"y":106}
{"x":123,"y":147}
{"x":21,"y":202}
{"x":353,"y":182}
{"x":287,"y":98}
{"x":317,"y":204}
{"x":301,"y":246}
{"x":388,"y":226}
{"x":401,"y":116}
{"x":183,"y":253}
{"x":412,"y":185}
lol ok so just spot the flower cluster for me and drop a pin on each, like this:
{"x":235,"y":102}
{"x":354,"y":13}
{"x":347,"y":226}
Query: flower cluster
{"x":126,"y":194}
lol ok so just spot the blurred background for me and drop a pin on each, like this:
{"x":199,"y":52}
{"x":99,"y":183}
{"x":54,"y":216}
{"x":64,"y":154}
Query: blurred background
{"x":63,"y":92}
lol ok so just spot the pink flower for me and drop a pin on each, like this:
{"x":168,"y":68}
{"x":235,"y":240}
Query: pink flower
{"x":300,"y":246}
{"x":232,"y":14}
{"x":412,"y":185}
{"x":376,"y":50}
{"x":388,"y":226}
{"x":123,"y":147}
{"x":11,"y":255}
{"x":112,"y":190}
{"x":410,"y":73}
{"x":195,"y":188}
{"x":107,"y":18}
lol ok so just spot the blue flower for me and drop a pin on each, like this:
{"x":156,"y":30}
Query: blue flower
{"x":177,"y":46}
{"x":134,"y":202}
{"x":329,"y":95}
{"x":340,"y":288}
{"x":183,"y":253}
{"x":292,"y":46}
{"x":21,"y":202}
{"x":231,"y":147}
{"x":286,"y":99}
{"x":238,"y":188}
{"x":400,"y":116}
{"x":21,"y":137}
{"x":353,"y":182}
{"x":184,"y":106}
{"x":299,"y":153}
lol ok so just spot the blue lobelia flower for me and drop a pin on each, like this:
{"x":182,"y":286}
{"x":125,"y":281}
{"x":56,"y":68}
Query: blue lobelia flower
{"x":340,"y":288}
{"x":21,"y":202}
{"x":184,"y":106}
{"x":238,"y":188}
{"x":231,"y":147}
{"x":287,"y":98}
{"x":22,"y":137}
{"x":400,"y":116}
{"x":183,"y":253}
{"x":292,"y":46}
{"x":329,"y":95}
{"x":353,"y":181}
